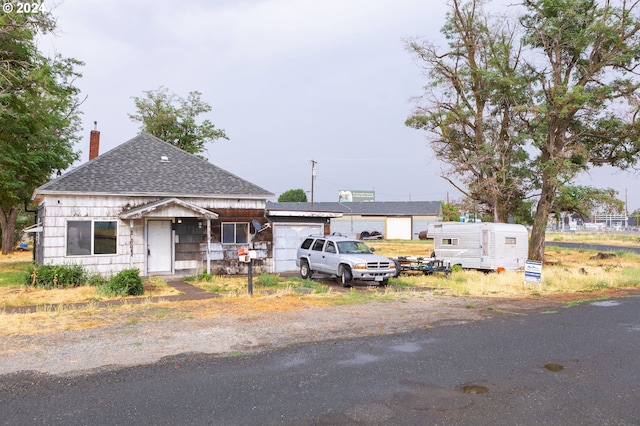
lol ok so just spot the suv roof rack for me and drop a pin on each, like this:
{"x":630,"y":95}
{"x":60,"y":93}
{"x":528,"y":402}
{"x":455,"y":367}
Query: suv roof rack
{"x":333,"y":234}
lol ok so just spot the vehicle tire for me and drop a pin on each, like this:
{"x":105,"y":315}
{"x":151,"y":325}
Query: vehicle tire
{"x":345,"y":276}
{"x":305,"y":270}
{"x":398,"y":269}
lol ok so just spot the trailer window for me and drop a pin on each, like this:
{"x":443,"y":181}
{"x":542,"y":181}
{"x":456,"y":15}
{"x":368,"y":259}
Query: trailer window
{"x":449,"y":241}
{"x":509,"y":240}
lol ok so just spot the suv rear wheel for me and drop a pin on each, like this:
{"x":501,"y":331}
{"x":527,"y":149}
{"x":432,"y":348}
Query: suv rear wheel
{"x":305,"y":271}
{"x":345,"y":276}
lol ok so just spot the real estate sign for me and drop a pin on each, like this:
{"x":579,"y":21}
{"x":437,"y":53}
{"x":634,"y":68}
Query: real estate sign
{"x":532,"y":271}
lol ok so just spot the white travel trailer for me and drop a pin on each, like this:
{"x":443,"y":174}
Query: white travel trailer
{"x":484,"y":246}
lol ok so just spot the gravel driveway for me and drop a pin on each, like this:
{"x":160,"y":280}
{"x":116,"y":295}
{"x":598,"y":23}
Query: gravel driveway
{"x":76,"y":352}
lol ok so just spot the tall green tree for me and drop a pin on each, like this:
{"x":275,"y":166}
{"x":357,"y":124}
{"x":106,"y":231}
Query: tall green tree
{"x":39,"y":115}
{"x":174,"y":119}
{"x":585,"y":200}
{"x":293,"y":195}
{"x":584,"y":102}
{"x":450,"y":212}
{"x":470,"y":106}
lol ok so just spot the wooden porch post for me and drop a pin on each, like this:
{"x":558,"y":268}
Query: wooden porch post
{"x":208,"y":246}
{"x":131,"y":243}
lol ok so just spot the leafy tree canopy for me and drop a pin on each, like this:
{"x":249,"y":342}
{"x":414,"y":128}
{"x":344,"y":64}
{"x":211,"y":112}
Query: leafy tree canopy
{"x":293,"y":195}
{"x":450,"y":212}
{"x":173,"y":119}
{"x":519,"y":109}
{"x":470,"y":108}
{"x":39,"y":116}
{"x":585,"y":200}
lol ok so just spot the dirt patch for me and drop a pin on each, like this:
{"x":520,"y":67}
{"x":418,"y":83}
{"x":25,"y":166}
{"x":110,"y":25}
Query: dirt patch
{"x":228,"y":331}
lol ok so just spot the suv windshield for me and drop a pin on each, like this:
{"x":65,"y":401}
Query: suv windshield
{"x":352,"y":247}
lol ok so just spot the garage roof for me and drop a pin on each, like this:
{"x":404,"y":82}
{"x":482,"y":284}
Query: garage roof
{"x":371,"y":208}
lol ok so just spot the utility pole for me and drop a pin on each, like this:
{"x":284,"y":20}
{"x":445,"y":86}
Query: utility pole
{"x":313,"y":178}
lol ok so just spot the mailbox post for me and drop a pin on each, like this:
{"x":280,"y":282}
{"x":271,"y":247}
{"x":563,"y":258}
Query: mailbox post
{"x":245,"y":255}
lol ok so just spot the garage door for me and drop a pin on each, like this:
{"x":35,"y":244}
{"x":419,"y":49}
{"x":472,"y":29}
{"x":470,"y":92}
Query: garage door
{"x":398,"y":228}
{"x":287,"y":239}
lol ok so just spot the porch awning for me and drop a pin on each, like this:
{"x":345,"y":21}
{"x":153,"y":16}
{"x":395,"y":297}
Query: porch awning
{"x":33,"y":228}
{"x":144,"y":210}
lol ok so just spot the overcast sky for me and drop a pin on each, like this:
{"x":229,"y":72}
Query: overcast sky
{"x":289,"y":81}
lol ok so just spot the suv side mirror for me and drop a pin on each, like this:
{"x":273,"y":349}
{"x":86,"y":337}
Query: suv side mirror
{"x":371,"y":249}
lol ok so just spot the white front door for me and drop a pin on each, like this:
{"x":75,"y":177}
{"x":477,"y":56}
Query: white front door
{"x":159,"y":246}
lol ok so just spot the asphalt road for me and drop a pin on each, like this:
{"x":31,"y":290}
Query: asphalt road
{"x":598,"y":247}
{"x":578,"y":365}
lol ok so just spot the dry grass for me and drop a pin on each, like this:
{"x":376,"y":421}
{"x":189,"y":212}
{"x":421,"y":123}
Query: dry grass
{"x":394,"y":248}
{"x":16,"y":296}
{"x":568,"y":272}
{"x":17,"y":256}
{"x":56,"y":318}
{"x":605,"y":238}
{"x":565,"y":272}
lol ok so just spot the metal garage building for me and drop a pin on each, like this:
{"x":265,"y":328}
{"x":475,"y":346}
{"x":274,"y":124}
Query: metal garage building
{"x":402,"y":220}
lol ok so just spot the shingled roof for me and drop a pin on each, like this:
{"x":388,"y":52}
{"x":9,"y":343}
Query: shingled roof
{"x":146,"y":165}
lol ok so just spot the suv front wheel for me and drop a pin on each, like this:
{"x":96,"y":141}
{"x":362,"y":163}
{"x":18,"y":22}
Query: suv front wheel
{"x":305,"y":271}
{"x":345,"y":276}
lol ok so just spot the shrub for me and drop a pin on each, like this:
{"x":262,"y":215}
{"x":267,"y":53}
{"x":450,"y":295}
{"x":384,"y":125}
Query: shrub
{"x":96,"y":280}
{"x":124,"y":283}
{"x":268,"y":280}
{"x":55,"y":276}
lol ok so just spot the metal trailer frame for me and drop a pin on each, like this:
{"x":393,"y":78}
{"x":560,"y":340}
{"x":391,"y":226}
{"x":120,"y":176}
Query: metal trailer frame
{"x":426,"y":265}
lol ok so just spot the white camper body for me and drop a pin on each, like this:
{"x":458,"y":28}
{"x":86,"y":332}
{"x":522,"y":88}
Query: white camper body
{"x":485,"y":246}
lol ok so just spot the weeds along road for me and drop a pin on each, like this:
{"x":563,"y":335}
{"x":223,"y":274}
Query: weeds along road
{"x":577,"y":365}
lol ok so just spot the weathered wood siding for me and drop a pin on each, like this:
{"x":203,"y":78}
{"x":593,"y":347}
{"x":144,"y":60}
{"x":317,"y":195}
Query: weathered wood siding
{"x":189,"y":249}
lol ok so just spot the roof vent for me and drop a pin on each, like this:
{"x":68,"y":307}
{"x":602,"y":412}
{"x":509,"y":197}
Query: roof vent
{"x":164,"y":159}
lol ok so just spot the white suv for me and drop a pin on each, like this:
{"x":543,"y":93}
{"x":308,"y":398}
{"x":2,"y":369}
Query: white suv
{"x":346,"y":258}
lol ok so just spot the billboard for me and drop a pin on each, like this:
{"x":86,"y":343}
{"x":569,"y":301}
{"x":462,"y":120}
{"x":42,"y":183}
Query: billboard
{"x":348,"y":196}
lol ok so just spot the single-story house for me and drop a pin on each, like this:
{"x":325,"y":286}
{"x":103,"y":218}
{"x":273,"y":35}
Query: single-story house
{"x":402,"y":220}
{"x":149,"y":205}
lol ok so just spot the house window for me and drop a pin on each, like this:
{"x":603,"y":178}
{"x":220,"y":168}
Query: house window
{"x":235,"y":233}
{"x":509,"y":240}
{"x":449,"y":241}
{"x":85,"y":237}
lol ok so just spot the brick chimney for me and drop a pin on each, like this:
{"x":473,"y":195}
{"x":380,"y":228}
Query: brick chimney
{"x":94,"y":142}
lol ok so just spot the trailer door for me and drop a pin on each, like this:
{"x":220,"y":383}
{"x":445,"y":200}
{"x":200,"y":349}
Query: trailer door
{"x":485,"y":258}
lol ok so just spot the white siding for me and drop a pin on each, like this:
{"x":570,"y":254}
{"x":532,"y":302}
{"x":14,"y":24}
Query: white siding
{"x":286,"y":240}
{"x":471,"y":252}
{"x":130,"y":245}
